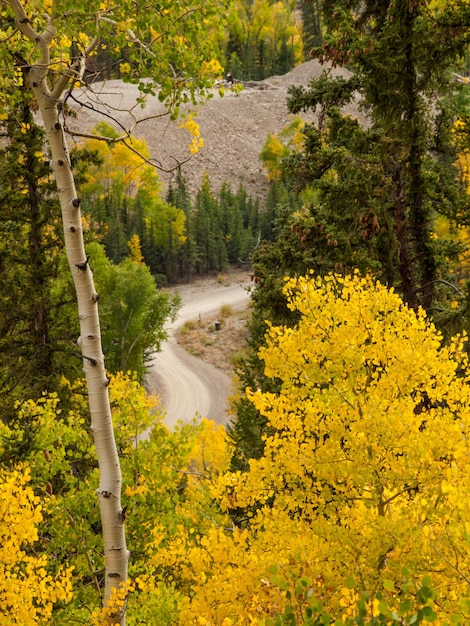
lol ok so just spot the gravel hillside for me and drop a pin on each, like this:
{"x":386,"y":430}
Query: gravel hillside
{"x":234,"y":127}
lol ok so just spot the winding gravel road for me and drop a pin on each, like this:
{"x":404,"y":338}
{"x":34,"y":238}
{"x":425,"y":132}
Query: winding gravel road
{"x":188,"y":386}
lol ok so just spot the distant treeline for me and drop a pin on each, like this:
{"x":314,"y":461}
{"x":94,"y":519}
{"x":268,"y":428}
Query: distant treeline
{"x":180,"y":237}
{"x":261,"y":39}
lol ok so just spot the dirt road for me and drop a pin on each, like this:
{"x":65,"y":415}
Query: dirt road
{"x":188,"y":386}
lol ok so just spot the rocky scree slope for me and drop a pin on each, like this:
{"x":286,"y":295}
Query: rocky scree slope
{"x":234,"y":127}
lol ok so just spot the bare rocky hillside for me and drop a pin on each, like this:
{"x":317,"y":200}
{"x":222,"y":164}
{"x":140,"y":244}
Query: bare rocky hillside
{"x":234,"y":127}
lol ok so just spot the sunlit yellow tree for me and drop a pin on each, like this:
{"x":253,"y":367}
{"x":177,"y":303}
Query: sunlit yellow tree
{"x":277,"y":147}
{"x":365,"y":476}
{"x":27,"y":589}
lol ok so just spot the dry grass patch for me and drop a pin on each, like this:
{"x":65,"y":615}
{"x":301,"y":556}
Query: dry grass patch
{"x":218,"y":340}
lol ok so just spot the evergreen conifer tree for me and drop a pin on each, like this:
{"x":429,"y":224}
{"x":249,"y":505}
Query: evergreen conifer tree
{"x":371,"y":193}
{"x":36,"y":340}
{"x":178,"y":196}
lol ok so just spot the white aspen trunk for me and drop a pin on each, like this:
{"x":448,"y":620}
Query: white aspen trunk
{"x":109,"y":491}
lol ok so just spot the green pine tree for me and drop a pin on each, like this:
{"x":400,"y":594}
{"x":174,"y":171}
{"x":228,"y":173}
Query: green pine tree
{"x":36,"y":305}
{"x":370,"y":194}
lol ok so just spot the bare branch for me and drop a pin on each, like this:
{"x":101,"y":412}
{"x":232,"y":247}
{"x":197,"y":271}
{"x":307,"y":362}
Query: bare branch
{"x":122,"y":139}
{"x":450,"y":564}
{"x":446,"y":283}
{"x":93,"y":107}
{"x":397,"y":495}
{"x":110,"y":140}
{"x":125,"y":137}
{"x":90,"y":106}
{"x":192,"y":473}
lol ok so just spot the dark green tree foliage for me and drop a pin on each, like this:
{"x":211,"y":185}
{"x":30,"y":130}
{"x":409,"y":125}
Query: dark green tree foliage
{"x":270,"y":264}
{"x":178,"y":196}
{"x":222,"y":228}
{"x":240,"y":215}
{"x":406,"y":99}
{"x":347,"y":220}
{"x":311,"y":25}
{"x":231,"y":222}
{"x":36,"y":305}
{"x":208,"y":231}
{"x":371,"y":193}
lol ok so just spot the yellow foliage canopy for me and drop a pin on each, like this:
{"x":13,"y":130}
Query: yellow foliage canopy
{"x":278,"y":147}
{"x":135,"y":249}
{"x":27,"y":591}
{"x":366,"y":470}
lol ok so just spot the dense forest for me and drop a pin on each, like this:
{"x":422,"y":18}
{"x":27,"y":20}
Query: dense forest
{"x":340,"y":492}
{"x":181,"y":237}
